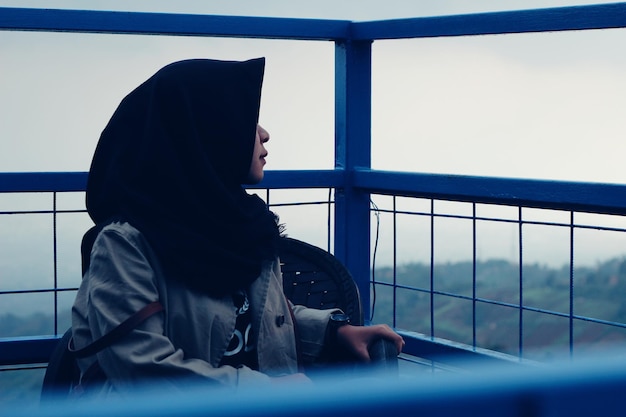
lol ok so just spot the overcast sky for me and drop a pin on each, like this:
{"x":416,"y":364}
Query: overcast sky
{"x":536,"y":106}
{"x":544,"y":106}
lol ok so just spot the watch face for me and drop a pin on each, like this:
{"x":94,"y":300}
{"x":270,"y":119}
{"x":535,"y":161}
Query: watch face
{"x":340,"y":318}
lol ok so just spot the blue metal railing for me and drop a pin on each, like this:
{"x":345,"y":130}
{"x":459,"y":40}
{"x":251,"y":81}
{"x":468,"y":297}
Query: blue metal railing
{"x":568,"y":197}
{"x":511,"y":296}
{"x":578,"y":196}
{"x":353,"y":180}
{"x":83,"y":21}
{"x":604,"y":16}
{"x":533,"y":193}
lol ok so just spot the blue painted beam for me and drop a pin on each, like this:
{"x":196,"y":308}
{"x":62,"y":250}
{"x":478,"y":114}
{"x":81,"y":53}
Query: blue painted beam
{"x":353,"y":109}
{"x":579,"y":196}
{"x":138,"y":23}
{"x":603,"y":16}
{"x":353,"y":104}
{"x":77,"y":181}
{"x":21,"y":351}
{"x":448,"y":352}
{"x":303,"y":179}
{"x":576,"y":196}
{"x":12,"y":182}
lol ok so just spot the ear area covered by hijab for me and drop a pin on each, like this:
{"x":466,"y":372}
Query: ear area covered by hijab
{"x":171,"y":162}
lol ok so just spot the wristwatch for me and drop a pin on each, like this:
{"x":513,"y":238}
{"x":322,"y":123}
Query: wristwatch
{"x":336,"y":321}
{"x":339,"y":319}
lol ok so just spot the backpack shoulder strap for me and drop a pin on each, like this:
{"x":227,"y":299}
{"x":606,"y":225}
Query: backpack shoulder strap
{"x":117,"y":333}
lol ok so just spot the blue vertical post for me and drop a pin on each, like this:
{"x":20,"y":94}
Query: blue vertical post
{"x":353,"y":110}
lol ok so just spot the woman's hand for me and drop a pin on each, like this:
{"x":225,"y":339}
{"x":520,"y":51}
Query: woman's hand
{"x":358,"y":338}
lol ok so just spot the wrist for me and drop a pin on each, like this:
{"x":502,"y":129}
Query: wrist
{"x":335,"y":322}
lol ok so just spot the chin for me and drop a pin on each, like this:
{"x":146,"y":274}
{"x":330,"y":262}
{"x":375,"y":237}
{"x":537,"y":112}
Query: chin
{"x":254,"y":179}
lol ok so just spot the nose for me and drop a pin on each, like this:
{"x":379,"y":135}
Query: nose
{"x":263,"y":134}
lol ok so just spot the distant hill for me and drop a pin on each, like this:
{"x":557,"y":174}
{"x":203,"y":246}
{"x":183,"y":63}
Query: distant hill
{"x":598,"y":293}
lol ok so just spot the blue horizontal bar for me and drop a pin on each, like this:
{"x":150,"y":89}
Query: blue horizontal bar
{"x":77,"y":181}
{"x":139,"y":23}
{"x":592,"y":197}
{"x":42,"y":181}
{"x":447,"y":351}
{"x":28,"y":350}
{"x":604,"y":16}
{"x":577,"y":196}
{"x":563,"y":195}
{"x":332,"y":178}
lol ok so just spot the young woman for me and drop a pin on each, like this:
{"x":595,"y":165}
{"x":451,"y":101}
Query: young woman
{"x":178,"y":228}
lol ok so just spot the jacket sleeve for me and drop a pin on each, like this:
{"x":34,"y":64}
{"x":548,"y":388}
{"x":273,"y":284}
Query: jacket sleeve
{"x":120,"y":282}
{"x":311,"y":330}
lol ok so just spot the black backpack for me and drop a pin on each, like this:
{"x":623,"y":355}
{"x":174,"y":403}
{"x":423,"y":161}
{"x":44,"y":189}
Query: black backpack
{"x":63,"y":376}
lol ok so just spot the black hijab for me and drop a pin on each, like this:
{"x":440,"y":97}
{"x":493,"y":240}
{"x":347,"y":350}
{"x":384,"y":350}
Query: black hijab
{"x":171,"y":162}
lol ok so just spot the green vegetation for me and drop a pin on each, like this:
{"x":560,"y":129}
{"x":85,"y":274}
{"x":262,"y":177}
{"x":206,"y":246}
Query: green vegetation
{"x":597,"y":294}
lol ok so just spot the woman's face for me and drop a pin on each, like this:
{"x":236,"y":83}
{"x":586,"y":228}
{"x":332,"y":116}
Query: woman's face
{"x":255,"y":175}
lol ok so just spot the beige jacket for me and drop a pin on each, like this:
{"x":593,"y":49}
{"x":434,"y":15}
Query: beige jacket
{"x":188,"y":339}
